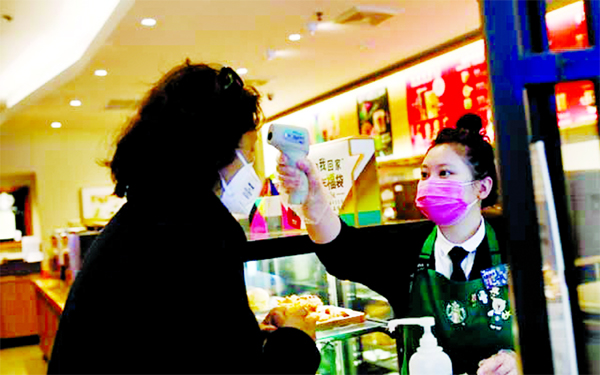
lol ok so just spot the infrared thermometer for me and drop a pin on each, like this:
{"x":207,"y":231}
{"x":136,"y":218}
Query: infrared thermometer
{"x":293,"y":142}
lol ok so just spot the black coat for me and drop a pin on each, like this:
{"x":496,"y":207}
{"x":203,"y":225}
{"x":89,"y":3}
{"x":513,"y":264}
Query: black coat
{"x":162,"y":291}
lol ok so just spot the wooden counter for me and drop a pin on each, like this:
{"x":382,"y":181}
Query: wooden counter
{"x":54,"y":291}
{"x":17,"y":307}
{"x":51,"y":296}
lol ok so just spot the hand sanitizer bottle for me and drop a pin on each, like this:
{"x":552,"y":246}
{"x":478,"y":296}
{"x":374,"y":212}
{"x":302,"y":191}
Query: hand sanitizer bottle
{"x":430,"y":358}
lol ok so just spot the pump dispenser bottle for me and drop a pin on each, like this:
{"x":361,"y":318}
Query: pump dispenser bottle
{"x":429,"y":358}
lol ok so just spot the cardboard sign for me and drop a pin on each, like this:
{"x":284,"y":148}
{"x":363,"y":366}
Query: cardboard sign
{"x":348,"y":171}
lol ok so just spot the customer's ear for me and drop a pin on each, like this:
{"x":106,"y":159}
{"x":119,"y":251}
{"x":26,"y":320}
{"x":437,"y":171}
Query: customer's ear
{"x":247,"y":145}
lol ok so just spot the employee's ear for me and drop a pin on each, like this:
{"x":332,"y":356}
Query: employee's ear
{"x":485,"y":188}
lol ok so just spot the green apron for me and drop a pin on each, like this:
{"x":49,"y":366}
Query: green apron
{"x":472,"y":321}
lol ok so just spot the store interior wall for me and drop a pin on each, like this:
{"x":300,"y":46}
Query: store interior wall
{"x":61,"y":163}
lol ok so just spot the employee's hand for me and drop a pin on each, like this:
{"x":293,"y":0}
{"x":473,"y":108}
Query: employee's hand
{"x":290,"y":179}
{"x":321,"y":221}
{"x":295,"y":318}
{"x":502,"y":363}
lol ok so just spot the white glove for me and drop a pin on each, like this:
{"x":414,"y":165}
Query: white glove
{"x":291,"y":178}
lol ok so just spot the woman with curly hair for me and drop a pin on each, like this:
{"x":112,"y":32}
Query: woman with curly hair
{"x":162,"y":287}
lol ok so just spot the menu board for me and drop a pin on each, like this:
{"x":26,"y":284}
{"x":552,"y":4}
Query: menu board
{"x":575,"y":104}
{"x":440,"y":92}
{"x":567,"y":27}
{"x":438,"y":95}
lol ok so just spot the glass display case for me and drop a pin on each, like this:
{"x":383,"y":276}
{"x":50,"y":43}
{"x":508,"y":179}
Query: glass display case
{"x":281,"y":263}
{"x":355,"y":348}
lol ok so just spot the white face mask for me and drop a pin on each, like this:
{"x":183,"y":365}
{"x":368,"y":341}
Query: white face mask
{"x":242,"y":191}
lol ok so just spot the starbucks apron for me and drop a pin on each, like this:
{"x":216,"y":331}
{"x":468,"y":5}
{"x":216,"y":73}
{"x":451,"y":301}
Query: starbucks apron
{"x":473,"y":320}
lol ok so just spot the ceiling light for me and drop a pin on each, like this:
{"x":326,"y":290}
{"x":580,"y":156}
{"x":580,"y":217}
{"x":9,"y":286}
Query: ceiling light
{"x":329,"y":26}
{"x":285,"y":53}
{"x":148,"y":22}
{"x":75,"y":103}
{"x":100,"y":73}
{"x":56,"y":125}
{"x":242,"y":71}
{"x":295,"y":37}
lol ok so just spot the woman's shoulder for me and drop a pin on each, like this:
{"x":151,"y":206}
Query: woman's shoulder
{"x":500,"y":226}
{"x":498,"y":223}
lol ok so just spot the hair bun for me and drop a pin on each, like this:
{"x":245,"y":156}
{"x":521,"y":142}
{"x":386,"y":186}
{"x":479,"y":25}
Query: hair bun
{"x":470,"y":122}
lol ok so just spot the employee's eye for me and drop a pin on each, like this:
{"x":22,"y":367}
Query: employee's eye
{"x":424,"y":175}
{"x":444,"y":173}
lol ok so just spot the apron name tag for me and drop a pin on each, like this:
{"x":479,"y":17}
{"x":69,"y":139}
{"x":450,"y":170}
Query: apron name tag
{"x":495,"y":276}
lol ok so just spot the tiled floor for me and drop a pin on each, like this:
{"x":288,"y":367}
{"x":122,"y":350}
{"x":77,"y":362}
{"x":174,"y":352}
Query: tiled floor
{"x":23,"y":360}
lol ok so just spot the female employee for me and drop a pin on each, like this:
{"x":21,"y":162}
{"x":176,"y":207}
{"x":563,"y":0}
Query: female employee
{"x":162,"y":288}
{"x":431,"y":270}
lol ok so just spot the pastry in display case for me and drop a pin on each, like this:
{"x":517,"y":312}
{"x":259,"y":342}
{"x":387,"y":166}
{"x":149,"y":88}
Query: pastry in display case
{"x":351,"y":319}
{"x":327,"y":316}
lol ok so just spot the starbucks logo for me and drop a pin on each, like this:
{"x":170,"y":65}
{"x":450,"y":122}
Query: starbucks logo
{"x":455,"y":312}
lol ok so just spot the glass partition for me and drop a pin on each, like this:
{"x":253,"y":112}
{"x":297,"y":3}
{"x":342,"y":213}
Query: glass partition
{"x":580,"y":148}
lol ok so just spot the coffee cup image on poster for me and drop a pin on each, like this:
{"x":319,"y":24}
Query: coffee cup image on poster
{"x":374,"y":120}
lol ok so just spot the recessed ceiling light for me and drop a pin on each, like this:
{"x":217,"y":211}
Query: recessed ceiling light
{"x":242,"y":71}
{"x":56,"y":125}
{"x":75,"y":103}
{"x":149,"y":22}
{"x":294,"y":37}
{"x":330,"y":26}
{"x":100,"y":73}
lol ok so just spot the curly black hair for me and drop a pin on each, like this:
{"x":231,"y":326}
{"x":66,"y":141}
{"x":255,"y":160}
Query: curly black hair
{"x":478,"y":152}
{"x":186,"y":129}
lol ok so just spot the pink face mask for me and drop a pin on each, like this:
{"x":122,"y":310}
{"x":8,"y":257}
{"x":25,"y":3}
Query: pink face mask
{"x":441,"y":201}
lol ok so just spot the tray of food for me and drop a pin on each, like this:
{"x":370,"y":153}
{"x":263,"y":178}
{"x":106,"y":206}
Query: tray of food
{"x":327,"y":316}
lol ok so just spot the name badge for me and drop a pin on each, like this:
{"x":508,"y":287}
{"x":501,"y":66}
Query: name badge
{"x":495,"y":276}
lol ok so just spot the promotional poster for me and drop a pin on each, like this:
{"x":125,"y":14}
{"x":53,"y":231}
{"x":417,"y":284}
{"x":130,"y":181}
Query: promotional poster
{"x":374,"y":120}
{"x":440,"y":95}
